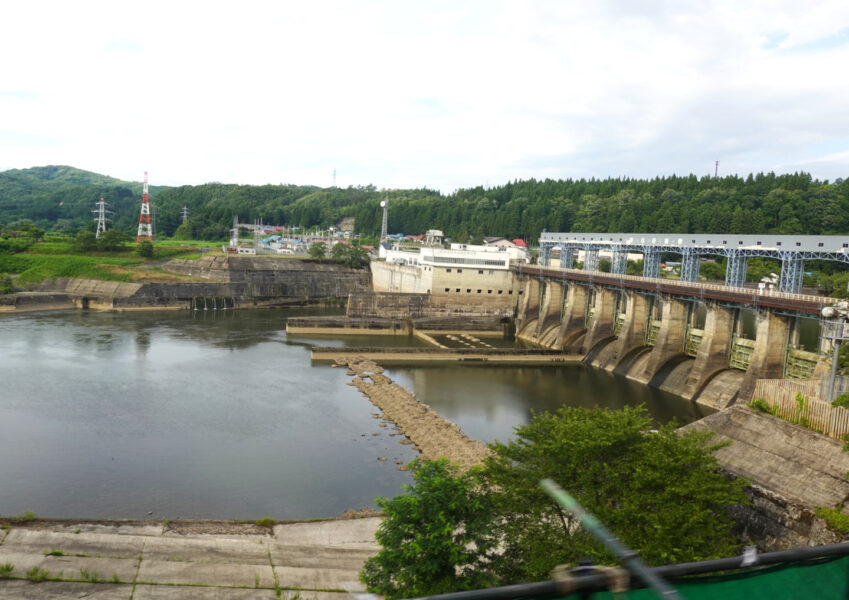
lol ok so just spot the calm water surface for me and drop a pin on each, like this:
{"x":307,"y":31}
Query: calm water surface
{"x":219,"y":415}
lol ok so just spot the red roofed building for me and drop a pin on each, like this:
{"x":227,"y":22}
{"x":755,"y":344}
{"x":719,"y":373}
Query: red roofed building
{"x":520,"y":243}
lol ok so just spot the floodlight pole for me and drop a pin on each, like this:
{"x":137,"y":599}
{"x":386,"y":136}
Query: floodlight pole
{"x":628,"y":557}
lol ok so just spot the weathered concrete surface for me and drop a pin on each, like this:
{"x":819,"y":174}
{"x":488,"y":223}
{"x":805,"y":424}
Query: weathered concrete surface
{"x":181,"y":562}
{"x":795,"y":469}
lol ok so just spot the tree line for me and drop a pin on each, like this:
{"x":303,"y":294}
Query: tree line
{"x":762,"y":203}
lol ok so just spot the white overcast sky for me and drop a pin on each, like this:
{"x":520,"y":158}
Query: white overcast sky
{"x":443,"y":94}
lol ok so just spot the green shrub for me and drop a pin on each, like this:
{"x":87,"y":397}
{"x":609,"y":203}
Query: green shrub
{"x":6,"y":570}
{"x":266,"y":522}
{"x":842,"y":400}
{"x":53,"y":552}
{"x":6,"y":286}
{"x":834,"y":518}
{"x":760,"y":405}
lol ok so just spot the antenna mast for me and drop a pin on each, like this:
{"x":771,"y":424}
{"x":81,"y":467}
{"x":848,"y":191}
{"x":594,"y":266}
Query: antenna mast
{"x":101,"y":216}
{"x":145,"y":230}
{"x":716,"y":170}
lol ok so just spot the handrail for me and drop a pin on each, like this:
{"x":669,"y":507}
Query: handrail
{"x":684,"y":287}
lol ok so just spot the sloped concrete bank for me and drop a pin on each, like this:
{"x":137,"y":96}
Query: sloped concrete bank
{"x":792,"y":471}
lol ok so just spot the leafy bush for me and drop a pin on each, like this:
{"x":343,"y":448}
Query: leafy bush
{"x":145,"y":248}
{"x":842,"y":400}
{"x":6,"y":286}
{"x":6,"y":570}
{"x":435,"y":538}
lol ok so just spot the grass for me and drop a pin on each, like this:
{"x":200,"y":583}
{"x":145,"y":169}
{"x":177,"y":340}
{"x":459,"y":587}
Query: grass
{"x":53,"y":552}
{"x":35,"y":268}
{"x":6,"y":570}
{"x":266,"y":522}
{"x":90,"y":576}
{"x":834,"y":518}
{"x":37,"y":574}
{"x":25,"y":517}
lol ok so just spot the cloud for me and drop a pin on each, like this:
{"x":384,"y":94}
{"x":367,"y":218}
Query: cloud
{"x":443,"y":94}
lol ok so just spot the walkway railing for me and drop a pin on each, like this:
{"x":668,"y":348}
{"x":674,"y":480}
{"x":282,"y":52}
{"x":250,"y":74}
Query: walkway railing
{"x":803,"y":302}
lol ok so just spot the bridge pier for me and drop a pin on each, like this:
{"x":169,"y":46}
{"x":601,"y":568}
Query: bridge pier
{"x":633,"y":332}
{"x":770,"y":352}
{"x":549,"y":311}
{"x":527,"y":310}
{"x":670,"y":338}
{"x":714,"y":350}
{"x":574,"y":320}
{"x":600,"y":326}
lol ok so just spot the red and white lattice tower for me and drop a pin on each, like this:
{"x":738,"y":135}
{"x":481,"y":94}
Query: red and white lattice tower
{"x":145,"y":229}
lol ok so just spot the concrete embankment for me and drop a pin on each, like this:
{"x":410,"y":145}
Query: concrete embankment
{"x":463,"y":356}
{"x":792,"y":471}
{"x":432,"y":435}
{"x":187,"y":560}
{"x":232,"y":282}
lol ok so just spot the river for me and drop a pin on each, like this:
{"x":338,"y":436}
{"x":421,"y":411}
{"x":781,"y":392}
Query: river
{"x":220,"y":415}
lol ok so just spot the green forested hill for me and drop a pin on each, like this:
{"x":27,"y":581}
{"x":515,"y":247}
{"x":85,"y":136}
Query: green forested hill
{"x":61,"y":198}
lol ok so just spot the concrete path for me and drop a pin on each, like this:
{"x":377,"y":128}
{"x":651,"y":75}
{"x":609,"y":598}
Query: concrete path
{"x":202,"y":560}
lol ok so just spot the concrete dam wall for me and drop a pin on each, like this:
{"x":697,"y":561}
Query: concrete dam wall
{"x":218,"y":282}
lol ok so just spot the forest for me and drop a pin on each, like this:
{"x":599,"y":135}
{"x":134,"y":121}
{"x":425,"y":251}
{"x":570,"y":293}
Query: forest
{"x":61,"y":198}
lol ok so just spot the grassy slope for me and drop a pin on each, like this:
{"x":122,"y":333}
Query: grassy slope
{"x":56,"y":258}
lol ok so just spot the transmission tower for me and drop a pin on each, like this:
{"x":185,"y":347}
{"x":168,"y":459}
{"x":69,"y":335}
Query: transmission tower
{"x":145,"y":229}
{"x":185,"y":213}
{"x":101,"y":219}
{"x":384,"y":225}
{"x":716,"y":170}
{"x":334,"y":177}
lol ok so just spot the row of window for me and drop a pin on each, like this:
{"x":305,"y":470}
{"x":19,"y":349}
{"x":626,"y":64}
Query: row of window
{"x":468,"y":261}
{"x":469,"y":291}
{"x":480,"y":271}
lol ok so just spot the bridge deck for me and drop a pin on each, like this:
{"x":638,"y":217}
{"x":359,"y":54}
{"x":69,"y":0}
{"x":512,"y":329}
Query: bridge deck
{"x":708,"y":291}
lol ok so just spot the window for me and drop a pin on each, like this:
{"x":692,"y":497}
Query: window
{"x":724,"y":241}
{"x":468,"y":291}
{"x":510,"y":292}
{"x":779,"y":243}
{"x":447,"y":289}
{"x":740,"y":243}
{"x":798,"y":243}
{"x":489,"y":291}
{"x":500,"y":291}
{"x":479,"y":291}
{"x":459,"y":270}
{"x":480,"y":272}
{"x":521,"y":292}
{"x":820,"y":244}
{"x":759,"y":243}
{"x":447,"y":270}
{"x":458,"y":289}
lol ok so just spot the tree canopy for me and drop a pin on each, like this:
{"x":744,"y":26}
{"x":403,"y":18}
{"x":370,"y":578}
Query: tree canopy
{"x":660,"y":491}
{"x":61,"y":199}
